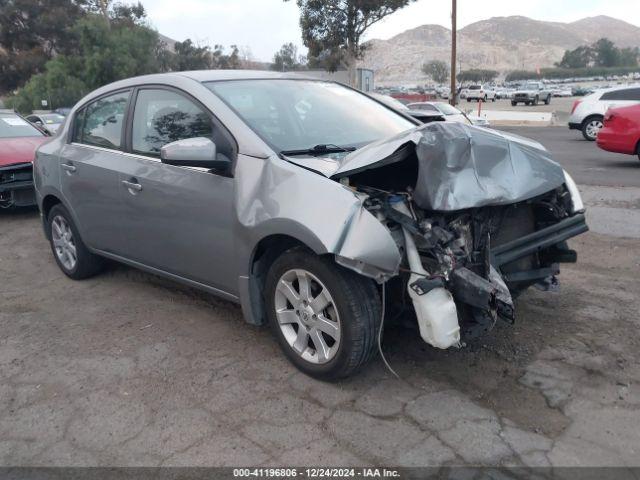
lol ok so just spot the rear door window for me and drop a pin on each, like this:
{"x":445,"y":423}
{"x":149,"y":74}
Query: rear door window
{"x":100,"y":123}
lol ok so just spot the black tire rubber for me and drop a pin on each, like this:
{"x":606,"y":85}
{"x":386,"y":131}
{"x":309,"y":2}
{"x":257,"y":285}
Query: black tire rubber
{"x":87,"y":264}
{"x":536,"y":100}
{"x":527,"y":103}
{"x":359,"y":307}
{"x":548,"y":100}
{"x":586,"y":122}
{"x":469,"y":100}
{"x":514,"y":104}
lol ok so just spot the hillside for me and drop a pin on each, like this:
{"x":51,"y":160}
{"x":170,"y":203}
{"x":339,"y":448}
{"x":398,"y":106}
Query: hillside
{"x":499,"y":43}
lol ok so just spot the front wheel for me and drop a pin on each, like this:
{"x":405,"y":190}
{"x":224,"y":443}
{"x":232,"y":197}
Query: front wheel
{"x":547,"y":100}
{"x":590,"y":127}
{"x":325,"y":317}
{"x":69,"y":251}
{"x":513,"y":104}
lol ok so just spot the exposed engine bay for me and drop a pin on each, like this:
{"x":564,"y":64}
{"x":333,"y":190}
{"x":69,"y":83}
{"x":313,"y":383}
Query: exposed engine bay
{"x":462,"y":267}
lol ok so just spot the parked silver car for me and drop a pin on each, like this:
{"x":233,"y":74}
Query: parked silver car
{"x":315,"y":207}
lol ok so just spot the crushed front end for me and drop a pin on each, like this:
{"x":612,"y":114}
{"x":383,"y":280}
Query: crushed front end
{"x":16,"y":186}
{"x":488,"y":217}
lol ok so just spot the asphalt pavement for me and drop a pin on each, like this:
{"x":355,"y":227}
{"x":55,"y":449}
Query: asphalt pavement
{"x":127,"y":369}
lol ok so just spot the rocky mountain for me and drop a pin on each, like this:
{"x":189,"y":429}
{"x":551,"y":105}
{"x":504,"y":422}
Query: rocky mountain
{"x":499,"y":43}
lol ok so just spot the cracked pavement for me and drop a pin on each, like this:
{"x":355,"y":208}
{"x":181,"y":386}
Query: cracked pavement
{"x":128,"y":369}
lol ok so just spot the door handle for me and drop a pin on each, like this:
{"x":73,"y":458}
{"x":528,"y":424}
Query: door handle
{"x":69,"y":168}
{"x":132,"y":185}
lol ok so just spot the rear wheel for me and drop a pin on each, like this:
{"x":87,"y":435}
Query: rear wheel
{"x":324,"y":316}
{"x":513,"y":104}
{"x":69,"y":251}
{"x":591,"y":126}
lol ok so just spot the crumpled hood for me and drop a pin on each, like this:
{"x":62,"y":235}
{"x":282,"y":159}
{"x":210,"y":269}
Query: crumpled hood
{"x":460,"y":166}
{"x":19,"y":150}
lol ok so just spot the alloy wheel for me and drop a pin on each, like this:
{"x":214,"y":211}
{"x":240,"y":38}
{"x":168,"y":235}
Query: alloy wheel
{"x":63,"y":242}
{"x":307,"y":316}
{"x":593,"y":127}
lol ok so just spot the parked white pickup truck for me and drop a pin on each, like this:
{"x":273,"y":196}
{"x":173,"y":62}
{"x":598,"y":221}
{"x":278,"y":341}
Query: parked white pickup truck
{"x":480,"y":93}
{"x":531,"y":94}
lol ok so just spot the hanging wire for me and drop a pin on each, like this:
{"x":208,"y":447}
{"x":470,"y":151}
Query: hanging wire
{"x":384,"y":301}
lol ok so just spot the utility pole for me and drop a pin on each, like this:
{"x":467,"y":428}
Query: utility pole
{"x":452,"y":97}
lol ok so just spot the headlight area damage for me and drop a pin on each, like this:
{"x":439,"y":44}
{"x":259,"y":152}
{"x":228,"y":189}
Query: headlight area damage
{"x":478,"y":216}
{"x":16,"y":186}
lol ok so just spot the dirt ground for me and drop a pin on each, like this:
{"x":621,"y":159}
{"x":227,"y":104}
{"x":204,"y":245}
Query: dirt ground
{"x":130,"y":369}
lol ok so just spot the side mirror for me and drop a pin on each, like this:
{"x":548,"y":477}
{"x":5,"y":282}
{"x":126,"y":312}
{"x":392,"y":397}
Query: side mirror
{"x":193,"y":152}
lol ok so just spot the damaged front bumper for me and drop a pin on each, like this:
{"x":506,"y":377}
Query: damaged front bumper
{"x":16,"y":186}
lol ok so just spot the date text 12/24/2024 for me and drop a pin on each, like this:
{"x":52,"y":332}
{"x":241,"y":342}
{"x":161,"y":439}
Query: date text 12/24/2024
{"x":316,"y":472}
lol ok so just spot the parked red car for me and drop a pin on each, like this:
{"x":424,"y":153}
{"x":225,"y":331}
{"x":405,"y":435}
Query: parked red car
{"x":18,"y":143}
{"x":621,"y":131}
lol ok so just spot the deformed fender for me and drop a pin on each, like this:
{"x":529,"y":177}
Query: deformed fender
{"x":274,"y":196}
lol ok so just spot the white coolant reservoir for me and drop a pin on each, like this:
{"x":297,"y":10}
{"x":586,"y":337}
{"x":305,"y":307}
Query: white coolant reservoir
{"x":436,"y":311}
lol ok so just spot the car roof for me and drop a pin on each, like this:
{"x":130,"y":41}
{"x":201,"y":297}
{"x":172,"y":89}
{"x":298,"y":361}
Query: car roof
{"x":218,"y":75}
{"x":617,"y":87}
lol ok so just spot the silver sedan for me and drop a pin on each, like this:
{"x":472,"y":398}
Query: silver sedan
{"x":315,"y":207}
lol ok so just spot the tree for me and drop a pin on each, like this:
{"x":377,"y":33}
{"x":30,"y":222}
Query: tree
{"x":287,"y":59}
{"x":606,"y":54}
{"x":581,"y":57}
{"x":437,"y":70}
{"x":105,"y":52}
{"x":477,"y":75}
{"x":31,"y":32}
{"x":332,"y":29}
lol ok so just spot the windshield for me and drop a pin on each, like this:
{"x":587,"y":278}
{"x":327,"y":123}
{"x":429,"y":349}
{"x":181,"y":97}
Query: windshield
{"x":300,"y":114}
{"x":532,"y":86}
{"x":447,"y":109}
{"x":474,"y":87}
{"x":52,"y":118}
{"x":12,"y":126}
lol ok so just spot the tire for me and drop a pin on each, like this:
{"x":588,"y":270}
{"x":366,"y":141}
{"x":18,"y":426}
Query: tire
{"x":547,"y":100}
{"x":65,"y":239}
{"x":527,"y":103}
{"x":469,"y":100}
{"x":353,"y":304}
{"x":514,"y":104}
{"x":536,"y":100}
{"x":590,"y":127}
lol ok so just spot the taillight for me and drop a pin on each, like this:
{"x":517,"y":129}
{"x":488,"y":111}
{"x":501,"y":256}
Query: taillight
{"x":575,"y":105}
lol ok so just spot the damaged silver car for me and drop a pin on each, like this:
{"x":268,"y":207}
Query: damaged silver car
{"x":315,"y":207}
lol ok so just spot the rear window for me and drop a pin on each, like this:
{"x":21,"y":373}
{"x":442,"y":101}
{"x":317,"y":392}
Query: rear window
{"x":474,"y":87}
{"x":632,"y":94}
{"x":12,"y":126}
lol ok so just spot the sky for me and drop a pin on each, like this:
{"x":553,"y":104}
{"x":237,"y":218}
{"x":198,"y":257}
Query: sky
{"x":264,"y":25}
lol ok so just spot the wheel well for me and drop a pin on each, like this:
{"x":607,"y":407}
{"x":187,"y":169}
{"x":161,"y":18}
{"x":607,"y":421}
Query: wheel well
{"x":265,"y":253}
{"x":591,"y":117}
{"x":48,"y":203}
